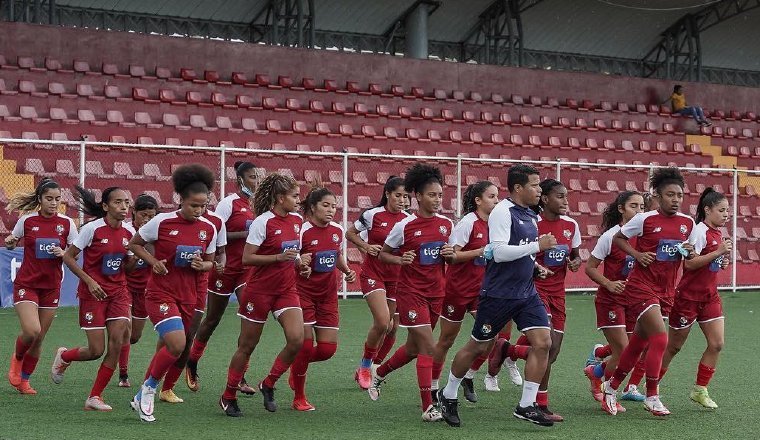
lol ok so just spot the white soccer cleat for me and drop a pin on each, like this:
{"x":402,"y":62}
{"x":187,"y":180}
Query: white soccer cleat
{"x":514,"y":372}
{"x":59,"y":366}
{"x":491,"y":383}
{"x":374,"y":388}
{"x":95,"y":403}
{"x":432,"y":414}
{"x":654,"y":406}
{"x":135,"y":404}
{"x":145,"y":400}
{"x":609,"y":401}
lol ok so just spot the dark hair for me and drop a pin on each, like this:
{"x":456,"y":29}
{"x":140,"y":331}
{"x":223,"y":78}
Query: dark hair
{"x":611,"y":215}
{"x":192,"y":179}
{"x":662,"y":177}
{"x":272,"y":186}
{"x":30,"y":202}
{"x":243,"y":167}
{"x":471,"y":193}
{"x":708,"y":199}
{"x":88,"y":205}
{"x":547,"y":185}
{"x":143,"y":202}
{"x":419,"y":175}
{"x":648,"y":200}
{"x":519,"y":175}
{"x":677,"y":88}
{"x":391,"y":184}
{"x":315,"y":195}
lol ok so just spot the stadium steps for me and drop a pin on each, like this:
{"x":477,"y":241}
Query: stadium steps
{"x":12,"y":182}
{"x":721,"y":160}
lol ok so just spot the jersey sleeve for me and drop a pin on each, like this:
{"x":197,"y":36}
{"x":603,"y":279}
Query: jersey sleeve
{"x":460,"y":236}
{"x":18,"y":229}
{"x":149,"y":231}
{"x":73,"y":233}
{"x":698,"y":238}
{"x":367,"y":216}
{"x":258,"y":232}
{"x":211,"y":247}
{"x":395,"y":238}
{"x":84,"y":239}
{"x":221,"y":237}
{"x":499,"y":232}
{"x":603,"y":247}
{"x":576,"y":242}
{"x":224,"y":209}
{"x":634,"y":227}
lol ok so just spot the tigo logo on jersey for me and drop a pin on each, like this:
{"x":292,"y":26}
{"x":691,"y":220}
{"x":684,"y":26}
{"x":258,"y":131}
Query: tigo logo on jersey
{"x":173,"y":233}
{"x":683,"y":229}
{"x":430,"y":253}
{"x":111,"y":264}
{"x":716,"y":264}
{"x":249,"y":307}
{"x":44,"y":248}
{"x":88,"y":316}
{"x":163,"y":308}
{"x":324,"y":261}
{"x":412,"y":315}
{"x":443,"y":230}
{"x":202,"y":235}
{"x":184,"y":255}
{"x":556,"y":256}
{"x":335,"y":238}
{"x":292,"y":245}
{"x":667,"y":250}
{"x":59,"y":229}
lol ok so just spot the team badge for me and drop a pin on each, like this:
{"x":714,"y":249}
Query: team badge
{"x":314,"y":242}
{"x":249,"y":307}
{"x":59,"y":229}
{"x":683,"y":229}
{"x":124,"y":241}
{"x":335,"y":238}
{"x":443,"y":230}
{"x":612,"y":315}
{"x":412,"y":315}
{"x":449,"y":310}
{"x":486,"y":329}
{"x":296,"y":228}
{"x":163,"y":308}
{"x":219,"y":284}
{"x":88,"y":316}
{"x":21,"y":293}
{"x":567,"y":234}
{"x":371,"y":282}
{"x":683,"y":320}
{"x":202,"y":235}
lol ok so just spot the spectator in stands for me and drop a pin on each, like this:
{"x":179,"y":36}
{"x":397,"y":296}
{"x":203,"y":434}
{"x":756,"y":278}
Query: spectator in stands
{"x":679,"y":107}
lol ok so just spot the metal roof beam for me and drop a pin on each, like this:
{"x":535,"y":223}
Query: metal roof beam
{"x":395,"y":32}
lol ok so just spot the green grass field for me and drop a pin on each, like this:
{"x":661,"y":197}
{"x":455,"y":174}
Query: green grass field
{"x":343,"y":411}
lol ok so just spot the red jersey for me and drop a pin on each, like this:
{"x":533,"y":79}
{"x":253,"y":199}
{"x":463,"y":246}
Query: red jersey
{"x":424,"y":236}
{"x":324,"y":244}
{"x":237,"y":215}
{"x":104,"y":250}
{"x":274,"y":235}
{"x":177,"y":241}
{"x":464,"y":279}
{"x":661,"y":234}
{"x":137,"y":280}
{"x":41,"y":269}
{"x":568,"y":236}
{"x":617,"y":264}
{"x":702,"y":284}
{"x":378,"y":222}
{"x":221,"y":241}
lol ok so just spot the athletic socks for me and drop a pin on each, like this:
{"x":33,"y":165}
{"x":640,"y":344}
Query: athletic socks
{"x":603,"y":351}
{"x":516,"y":352}
{"x":233,"y":382}
{"x":124,"y":360}
{"x":479,"y":361}
{"x":299,"y":368}
{"x":196,"y":351}
{"x":28,"y":365}
{"x":101,"y":380}
{"x":522,"y":340}
{"x":384,"y":349}
{"x":470,"y":374}
{"x":162,"y":361}
{"x":638,"y":372}
{"x":369,"y":354}
{"x":629,"y":357}
{"x":398,"y":360}
{"x":171,"y":377}
{"x":70,"y":355}
{"x":529,"y":394}
{"x":21,"y":348}
{"x":278,"y":368}
{"x":424,"y":379}
{"x":542,"y":398}
{"x":653,"y":362}
{"x":704,"y":374}
{"x":437,"y":369}
{"x":452,"y":386}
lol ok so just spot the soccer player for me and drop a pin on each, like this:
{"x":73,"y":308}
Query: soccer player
{"x":37,"y":287}
{"x":660,"y":247}
{"x":697,"y":298}
{"x":378,"y":280}
{"x":237,"y":213}
{"x":422,"y":243}
{"x":611,"y":318}
{"x":272,"y":247}
{"x":322,"y":238}
{"x":464,"y":276}
{"x":144,"y":209}
{"x":104,"y":301}
{"x":508,"y":293}
{"x":184,"y":244}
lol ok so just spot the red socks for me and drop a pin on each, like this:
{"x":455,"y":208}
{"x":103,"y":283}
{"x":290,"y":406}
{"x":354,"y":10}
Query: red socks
{"x":704,"y":374}
{"x":323,"y":351}
{"x":522,"y":340}
{"x":653,"y":361}
{"x":478,"y":362}
{"x":124,"y":359}
{"x":197,"y":350}
{"x":638,"y":372}
{"x":505,"y":334}
{"x":70,"y":355}
{"x":516,"y":352}
{"x":21,"y":348}
{"x":398,"y":360}
{"x":631,"y":354}
{"x":542,"y":398}
{"x":437,"y":369}
{"x":162,"y":361}
{"x":425,"y":379}
{"x":233,"y":381}
{"x":369,"y":352}
{"x":384,"y":349}
{"x":299,"y":368}
{"x":603,"y":351}
{"x":28,"y":365}
{"x":171,"y":377}
{"x":101,"y":380}
{"x":278,"y":368}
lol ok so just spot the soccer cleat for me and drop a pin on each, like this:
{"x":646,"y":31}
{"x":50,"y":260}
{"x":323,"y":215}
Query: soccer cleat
{"x":491,"y":383}
{"x":532,"y":414}
{"x":374,"y":387}
{"x":95,"y":403}
{"x":609,"y":399}
{"x":191,"y":377}
{"x":135,"y":404}
{"x":244,"y":388}
{"x":596,"y":383}
{"x":302,"y":405}
{"x":363,"y":376}
{"x":14,"y":373}
{"x":432,"y":414}
{"x":268,"y":394}
{"x":654,"y":406}
{"x":620,"y":408}
{"x":124,"y":381}
{"x":59,"y":366}
{"x":699,"y":394}
{"x":469,"y":390}
{"x":514,"y":372}
{"x":146,"y":398}
{"x":592,"y":359}
{"x":632,"y":393}
{"x":449,"y":409}
{"x":554,"y":417}
{"x":25,"y":388}
{"x":230,"y":407}
{"x":168,"y":396}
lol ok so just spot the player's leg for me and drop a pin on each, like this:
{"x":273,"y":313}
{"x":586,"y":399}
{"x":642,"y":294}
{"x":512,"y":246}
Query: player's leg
{"x":29,"y":320}
{"x":449,"y":332}
{"x":422,"y":338}
{"x":381,"y":318}
{"x":135,"y":334}
{"x":617,"y":339}
{"x":250,"y":334}
{"x":291,"y":321}
{"x":118,"y":331}
{"x":389,"y":339}
{"x":215,"y":308}
{"x":175,"y":371}
{"x":542,"y":399}
{"x":714,"y":332}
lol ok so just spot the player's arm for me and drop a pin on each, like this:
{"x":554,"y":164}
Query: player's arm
{"x":574,"y":260}
{"x":634,"y":228}
{"x":593,"y":272}
{"x":461,"y":256}
{"x":70,"y":260}
{"x":137,"y":247}
{"x":344,"y":267}
{"x":252,"y":258}
{"x":699,"y":261}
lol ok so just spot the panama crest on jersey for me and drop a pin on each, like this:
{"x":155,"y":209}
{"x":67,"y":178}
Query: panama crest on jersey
{"x":202,"y":235}
{"x":371,"y":282}
{"x":21,"y":293}
{"x":335,"y":238}
{"x":59,"y":229}
{"x":412,"y":315}
{"x":249,"y":307}
{"x":443,"y":230}
{"x":567,"y":234}
{"x":683,"y":229}
{"x":449,"y":310}
{"x":486,"y":329}
{"x":219,"y":284}
{"x":88,"y":316}
{"x":163,"y":308}
{"x":125,"y":242}
{"x":612,"y":315}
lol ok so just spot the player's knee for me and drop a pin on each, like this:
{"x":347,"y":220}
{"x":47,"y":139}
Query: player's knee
{"x":542,"y":346}
{"x":176,"y":349}
{"x":31,"y":335}
{"x":134,"y":338}
{"x":446,"y":341}
{"x":715,"y":346}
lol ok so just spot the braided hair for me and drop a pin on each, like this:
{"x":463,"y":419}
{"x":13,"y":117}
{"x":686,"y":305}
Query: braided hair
{"x":271,"y":186}
{"x":612,"y":215}
{"x":30,"y":202}
{"x":471,"y":193}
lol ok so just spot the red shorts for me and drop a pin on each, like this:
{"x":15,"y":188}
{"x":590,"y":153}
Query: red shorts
{"x":456,"y":306}
{"x":555,"y":308}
{"x":43,"y":298}
{"x":94,"y":314}
{"x":639,"y":301}
{"x":321,"y":311}
{"x":162,"y":306}
{"x":255,"y":307}
{"x":202,"y":293}
{"x":138,"y":305}
{"x":611,"y":313}
{"x":415,"y":310}
{"x":229,"y":281}
{"x":370,"y":285}
{"x":685,"y":312}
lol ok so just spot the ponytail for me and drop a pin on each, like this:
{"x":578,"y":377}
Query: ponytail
{"x":391,"y":184}
{"x":87,"y":204}
{"x":30,"y":202}
{"x":471,"y":193}
{"x":708,"y":199}
{"x":612,"y":215}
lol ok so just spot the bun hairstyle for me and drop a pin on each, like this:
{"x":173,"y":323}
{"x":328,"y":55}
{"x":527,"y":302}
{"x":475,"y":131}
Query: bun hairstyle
{"x":192,"y":179}
{"x":708,"y":199}
{"x":391,"y":184}
{"x":471,"y":193}
{"x":88,"y":205}
{"x":30,"y":202}
{"x":143,"y":202}
{"x":270,"y":187}
{"x":315,"y":195}
{"x":611,"y":215}
{"x":662,"y":177}
{"x":547,"y":185}
{"x":419,"y":176}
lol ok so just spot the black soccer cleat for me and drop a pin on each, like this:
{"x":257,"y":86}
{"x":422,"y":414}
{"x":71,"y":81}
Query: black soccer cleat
{"x":449,"y":410}
{"x":469,"y":390}
{"x":532,"y":414}
{"x":268,"y":394}
{"x":230,"y":407}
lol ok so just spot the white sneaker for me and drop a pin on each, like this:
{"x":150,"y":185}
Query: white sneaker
{"x":374,"y":387}
{"x":609,"y":401}
{"x":135,"y":404}
{"x":59,"y":366}
{"x":95,"y":403}
{"x":492,"y":383}
{"x":514,"y":372}
{"x":654,"y":406}
{"x":145,"y":400}
{"x":432,"y":414}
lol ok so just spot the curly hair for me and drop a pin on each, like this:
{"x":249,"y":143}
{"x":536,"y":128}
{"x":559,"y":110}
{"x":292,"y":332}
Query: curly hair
{"x":192,"y":179}
{"x":708,"y":199}
{"x":30,"y":202}
{"x":419,"y":175}
{"x":662,"y":177}
{"x":272,"y":186}
{"x":471,"y":193}
{"x":611,"y":215}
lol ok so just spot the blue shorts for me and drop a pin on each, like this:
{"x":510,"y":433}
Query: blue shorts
{"x":494,"y":313}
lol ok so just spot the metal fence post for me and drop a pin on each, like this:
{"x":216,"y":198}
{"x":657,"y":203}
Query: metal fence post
{"x":222,"y":170}
{"x":459,"y":186}
{"x":345,"y":217}
{"x":734,"y":226}
{"x":559,"y":170}
{"x":82,"y":170}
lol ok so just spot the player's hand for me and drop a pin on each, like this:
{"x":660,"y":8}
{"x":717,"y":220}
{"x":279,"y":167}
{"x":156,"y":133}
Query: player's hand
{"x":197,"y":263}
{"x":11,"y":242}
{"x":219,"y":267}
{"x":373,"y":250}
{"x":304,"y":271}
{"x":306,"y":259}
{"x":96,"y":290}
{"x":160,"y":268}
{"x":615,"y":286}
{"x":726,"y":246}
{"x":288,"y":255}
{"x":407,"y":258}
{"x":350,"y":276}
{"x":543,"y":273}
{"x":689,"y":248}
{"x":574,"y":264}
{"x":447,"y":251}
{"x":724,"y":263}
{"x":645,"y":258}
{"x":546,"y":241}
{"x":58,"y":252}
